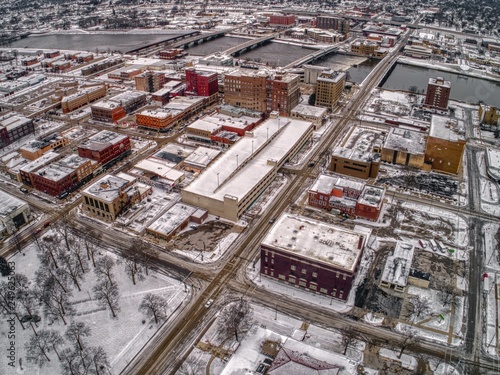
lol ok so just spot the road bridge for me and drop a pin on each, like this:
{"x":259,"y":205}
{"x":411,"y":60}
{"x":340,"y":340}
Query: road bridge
{"x":312,"y":57}
{"x":240,"y":48}
{"x":201,"y":38}
{"x":163,"y":42}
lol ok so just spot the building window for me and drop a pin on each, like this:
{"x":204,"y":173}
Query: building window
{"x":292,"y":267}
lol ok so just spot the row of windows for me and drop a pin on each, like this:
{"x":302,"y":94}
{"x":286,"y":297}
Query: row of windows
{"x":95,"y":203}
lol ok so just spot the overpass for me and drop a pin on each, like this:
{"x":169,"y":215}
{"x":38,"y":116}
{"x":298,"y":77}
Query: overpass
{"x":163,"y":42}
{"x":312,"y":57}
{"x":240,"y":48}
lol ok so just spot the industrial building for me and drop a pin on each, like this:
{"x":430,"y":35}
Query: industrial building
{"x":13,"y":127}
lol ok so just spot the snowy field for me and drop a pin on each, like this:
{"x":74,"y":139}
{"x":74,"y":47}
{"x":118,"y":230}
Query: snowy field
{"x":122,"y":337}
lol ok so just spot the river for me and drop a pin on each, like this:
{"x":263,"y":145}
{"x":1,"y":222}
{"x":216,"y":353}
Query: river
{"x":90,"y":42}
{"x":463,"y":88}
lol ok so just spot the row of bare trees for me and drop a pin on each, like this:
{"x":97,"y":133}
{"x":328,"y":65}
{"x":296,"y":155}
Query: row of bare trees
{"x":76,"y":359}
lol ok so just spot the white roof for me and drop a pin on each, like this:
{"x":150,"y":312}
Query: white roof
{"x":171,"y":219}
{"x":397,"y":266}
{"x":202,"y":156}
{"x":493,"y":162}
{"x":107,"y":188}
{"x":9,"y":204}
{"x":325,"y":183}
{"x":309,"y":110}
{"x":407,"y":140}
{"x":238,"y":171}
{"x":446,"y":128}
{"x":161,"y":168}
{"x":336,"y":246}
{"x":204,"y":125}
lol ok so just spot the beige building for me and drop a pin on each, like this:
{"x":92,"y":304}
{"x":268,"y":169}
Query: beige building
{"x":329,"y":88}
{"x":37,"y":147}
{"x":82,"y":97}
{"x":232,"y":182}
{"x":110,"y":195}
{"x":404,"y":147}
{"x":305,"y":112}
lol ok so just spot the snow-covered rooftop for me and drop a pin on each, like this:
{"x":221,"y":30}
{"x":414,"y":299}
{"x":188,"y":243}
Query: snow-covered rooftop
{"x":317,"y":240}
{"x":493,"y":163}
{"x":397,"y":267}
{"x":171,"y":219}
{"x":40,"y":162}
{"x":446,"y":128}
{"x":202,"y":157}
{"x":359,"y":142}
{"x":372,"y":196}
{"x":107,"y":188}
{"x":325,"y":183}
{"x":239,"y":169}
{"x":401,"y":139}
{"x":309,"y":110}
{"x":9,"y":204}
{"x":102,"y":140}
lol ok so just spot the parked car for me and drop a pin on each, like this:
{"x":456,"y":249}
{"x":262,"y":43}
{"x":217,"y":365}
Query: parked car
{"x":209,"y":303}
{"x":24,"y":190}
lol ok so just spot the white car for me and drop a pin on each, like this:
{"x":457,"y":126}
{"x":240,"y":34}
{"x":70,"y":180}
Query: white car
{"x":209,"y":303}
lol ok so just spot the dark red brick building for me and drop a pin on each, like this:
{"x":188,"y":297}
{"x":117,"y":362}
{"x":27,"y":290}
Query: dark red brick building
{"x":200,"y":83}
{"x":438,"y":93}
{"x":313,"y":255}
{"x":281,"y":20}
{"x":105,"y":147}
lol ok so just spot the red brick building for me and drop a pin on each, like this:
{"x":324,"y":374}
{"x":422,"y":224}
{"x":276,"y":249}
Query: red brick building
{"x":200,"y":83}
{"x":313,"y":255}
{"x":348,"y":196}
{"x":438,"y":93}
{"x":105,"y":147}
{"x":282,"y":20}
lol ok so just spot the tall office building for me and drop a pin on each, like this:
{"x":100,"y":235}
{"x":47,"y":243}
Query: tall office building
{"x":329,"y":88}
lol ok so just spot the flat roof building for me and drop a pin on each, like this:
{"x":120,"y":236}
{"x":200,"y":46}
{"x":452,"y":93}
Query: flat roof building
{"x":14,"y":213}
{"x":397,"y":268}
{"x":230,"y":185}
{"x":314,"y":255}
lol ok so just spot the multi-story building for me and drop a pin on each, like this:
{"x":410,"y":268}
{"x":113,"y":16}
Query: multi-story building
{"x":329,"y":88}
{"x":281,"y":20}
{"x":37,"y":147}
{"x":63,"y":176}
{"x":25,"y":172}
{"x":489,"y":115}
{"x":325,"y":36}
{"x":13,"y":127}
{"x":83,"y":97}
{"x":107,"y":111}
{"x":348,"y":196}
{"x":106,"y":147}
{"x":178,"y":109}
{"x":284,"y":93}
{"x":236,"y":179}
{"x":246,"y":89}
{"x":438,"y":93}
{"x":199,"y":83}
{"x":14,"y":213}
{"x":445,"y":144}
{"x":358,"y":154}
{"x":110,"y":195}
{"x":262,"y":91}
{"x":149,"y":81}
{"x":309,"y":254}
{"x":369,"y":48}
{"x":172,"y":54}
{"x":333,"y":23}
{"x":404,"y":147}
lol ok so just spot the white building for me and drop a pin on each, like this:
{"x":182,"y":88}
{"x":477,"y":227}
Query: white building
{"x":14,"y":213}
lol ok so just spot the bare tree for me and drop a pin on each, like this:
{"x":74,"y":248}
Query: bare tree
{"x":107,"y":294}
{"x":7,"y":301}
{"x":190,"y":367}
{"x":447,"y":296}
{"x":154,"y":306}
{"x":91,"y":240}
{"x":235,"y":318}
{"x":55,"y":340}
{"x":76,"y":332}
{"x":77,"y":249}
{"x":47,"y":251}
{"x":148,"y":254}
{"x":409,"y":338}
{"x":58,"y":276}
{"x":103,"y":267}
{"x":55,"y":300}
{"x":348,"y":338}
{"x":99,"y":360}
{"x":133,"y":269}
{"x":26,"y":299}
{"x":71,"y":362}
{"x":419,"y":306}
{"x":71,"y":266}
{"x":38,"y":347}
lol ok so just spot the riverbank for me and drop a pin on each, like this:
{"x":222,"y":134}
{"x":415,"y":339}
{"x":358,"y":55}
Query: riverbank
{"x":451,"y":68}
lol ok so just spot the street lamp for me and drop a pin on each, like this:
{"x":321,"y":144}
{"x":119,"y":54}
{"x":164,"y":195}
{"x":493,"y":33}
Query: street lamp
{"x":236,"y":160}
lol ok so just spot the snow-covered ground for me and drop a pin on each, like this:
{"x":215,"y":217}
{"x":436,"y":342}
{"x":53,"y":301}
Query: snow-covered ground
{"x":121,"y":338}
{"x":319,"y":343}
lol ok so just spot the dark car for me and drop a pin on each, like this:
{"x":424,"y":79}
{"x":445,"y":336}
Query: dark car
{"x":24,"y":190}
{"x":30,"y":318}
